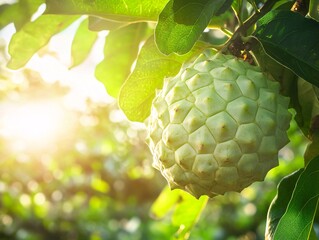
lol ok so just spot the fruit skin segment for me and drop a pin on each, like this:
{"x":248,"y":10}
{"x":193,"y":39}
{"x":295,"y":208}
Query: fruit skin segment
{"x":217,"y":126}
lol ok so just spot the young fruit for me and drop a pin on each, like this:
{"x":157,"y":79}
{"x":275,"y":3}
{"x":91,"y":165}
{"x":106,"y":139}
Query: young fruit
{"x":217,"y":126}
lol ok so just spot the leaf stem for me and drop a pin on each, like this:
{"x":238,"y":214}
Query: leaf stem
{"x":237,"y":16}
{"x":256,"y":16}
{"x":254,"y":6}
{"x":226,"y":32}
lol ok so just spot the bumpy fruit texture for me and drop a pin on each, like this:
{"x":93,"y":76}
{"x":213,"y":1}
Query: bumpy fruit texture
{"x":217,"y":126}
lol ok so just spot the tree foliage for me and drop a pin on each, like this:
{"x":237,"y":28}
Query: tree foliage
{"x":96,"y":182}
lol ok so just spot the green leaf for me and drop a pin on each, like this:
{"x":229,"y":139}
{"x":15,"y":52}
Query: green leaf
{"x":124,"y":10}
{"x":120,"y":51}
{"x":100,"y":24}
{"x":164,"y":202}
{"x":312,"y":149}
{"x":270,"y":66}
{"x":237,"y":6}
{"x":284,"y":4}
{"x":313,"y":235}
{"x":241,"y":10}
{"x":152,"y":66}
{"x":19,"y":13}
{"x":187,"y":213}
{"x":309,"y":105}
{"x":186,"y":209}
{"x":289,"y":86}
{"x":292,"y":40}
{"x":280,"y":202}
{"x":182,"y":22}
{"x":82,"y":44}
{"x":303,"y":95}
{"x":314,"y":9}
{"x":297,"y":221}
{"x":226,"y":5}
{"x":8,"y":13}
{"x":33,"y":36}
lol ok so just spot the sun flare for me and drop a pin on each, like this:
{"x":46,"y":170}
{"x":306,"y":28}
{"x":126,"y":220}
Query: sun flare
{"x":36,"y":124}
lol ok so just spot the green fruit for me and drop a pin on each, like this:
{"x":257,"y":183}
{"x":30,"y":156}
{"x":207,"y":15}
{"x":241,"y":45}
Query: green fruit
{"x":217,"y":126}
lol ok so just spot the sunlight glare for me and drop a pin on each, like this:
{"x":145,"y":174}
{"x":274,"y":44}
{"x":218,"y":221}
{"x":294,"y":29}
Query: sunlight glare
{"x":34,"y":123}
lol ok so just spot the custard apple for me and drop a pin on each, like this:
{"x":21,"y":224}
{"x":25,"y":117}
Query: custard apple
{"x":217,"y":126}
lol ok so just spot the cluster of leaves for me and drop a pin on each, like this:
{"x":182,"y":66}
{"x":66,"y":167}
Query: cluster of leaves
{"x":150,"y":40}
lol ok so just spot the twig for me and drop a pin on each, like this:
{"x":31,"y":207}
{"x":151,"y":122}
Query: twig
{"x":250,"y":22}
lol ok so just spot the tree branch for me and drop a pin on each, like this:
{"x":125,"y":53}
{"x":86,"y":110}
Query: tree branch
{"x":242,"y":30}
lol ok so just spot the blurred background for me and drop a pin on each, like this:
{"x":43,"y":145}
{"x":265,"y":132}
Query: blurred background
{"x":73,"y":167}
